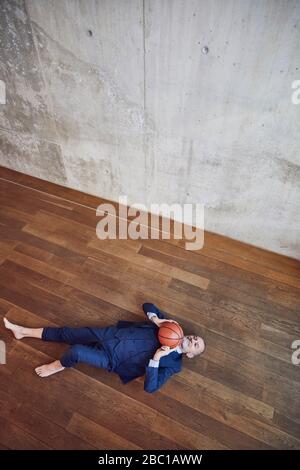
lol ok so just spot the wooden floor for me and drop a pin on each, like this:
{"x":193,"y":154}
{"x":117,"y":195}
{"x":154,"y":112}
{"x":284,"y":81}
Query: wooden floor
{"x":243,"y":393}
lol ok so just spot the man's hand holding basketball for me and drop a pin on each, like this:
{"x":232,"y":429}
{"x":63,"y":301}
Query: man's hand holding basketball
{"x":161,"y":352}
{"x":159,"y":321}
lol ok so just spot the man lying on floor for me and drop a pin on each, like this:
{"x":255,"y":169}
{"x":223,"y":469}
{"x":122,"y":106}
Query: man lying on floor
{"x":129,"y":349}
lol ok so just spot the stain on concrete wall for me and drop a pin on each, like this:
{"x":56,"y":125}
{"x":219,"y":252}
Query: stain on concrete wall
{"x":24,"y":152}
{"x":26,"y":110}
{"x":117,"y":97}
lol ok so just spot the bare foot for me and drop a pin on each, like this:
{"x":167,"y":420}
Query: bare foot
{"x":16,"y":329}
{"x":49,"y":369}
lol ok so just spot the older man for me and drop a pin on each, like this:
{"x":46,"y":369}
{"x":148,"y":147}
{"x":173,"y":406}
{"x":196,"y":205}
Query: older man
{"x":129,"y":349}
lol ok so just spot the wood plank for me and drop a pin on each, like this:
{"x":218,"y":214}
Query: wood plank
{"x":155,"y":265}
{"x":97,"y":435}
{"x":40,"y":426}
{"x":33,"y":251}
{"x":16,"y":438}
{"x":225,"y":276}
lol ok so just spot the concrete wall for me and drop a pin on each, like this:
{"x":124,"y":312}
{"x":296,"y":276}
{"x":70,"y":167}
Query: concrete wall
{"x":116,"y":97}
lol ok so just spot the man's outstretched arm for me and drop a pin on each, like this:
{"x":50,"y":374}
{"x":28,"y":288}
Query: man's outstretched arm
{"x":155,"y":315}
{"x":151,"y":308}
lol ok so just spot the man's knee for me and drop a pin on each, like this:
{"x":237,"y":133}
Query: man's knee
{"x":76,"y":352}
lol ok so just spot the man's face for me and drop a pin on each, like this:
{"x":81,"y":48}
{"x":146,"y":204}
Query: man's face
{"x":192,"y":345}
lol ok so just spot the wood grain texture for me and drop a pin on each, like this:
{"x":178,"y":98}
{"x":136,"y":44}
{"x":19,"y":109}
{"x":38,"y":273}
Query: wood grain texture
{"x":243,"y":393}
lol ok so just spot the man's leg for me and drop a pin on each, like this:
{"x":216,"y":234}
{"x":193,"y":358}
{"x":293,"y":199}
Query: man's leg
{"x":69,"y":335}
{"x":23,"y":332}
{"x":61,"y":335}
{"x":95,"y":356}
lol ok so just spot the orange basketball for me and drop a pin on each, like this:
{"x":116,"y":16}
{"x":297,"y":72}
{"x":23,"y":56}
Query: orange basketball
{"x":170,"y":334}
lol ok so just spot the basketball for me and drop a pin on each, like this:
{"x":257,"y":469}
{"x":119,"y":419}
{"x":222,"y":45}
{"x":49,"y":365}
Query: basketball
{"x":170,"y":334}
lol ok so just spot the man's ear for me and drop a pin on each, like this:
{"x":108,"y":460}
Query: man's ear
{"x":190,"y":355}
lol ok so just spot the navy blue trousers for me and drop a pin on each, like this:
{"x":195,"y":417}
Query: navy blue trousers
{"x":86,"y":345}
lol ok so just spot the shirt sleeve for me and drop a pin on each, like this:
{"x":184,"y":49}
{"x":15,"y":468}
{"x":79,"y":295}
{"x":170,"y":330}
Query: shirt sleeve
{"x":155,"y":377}
{"x":153,"y":363}
{"x":151,"y":314}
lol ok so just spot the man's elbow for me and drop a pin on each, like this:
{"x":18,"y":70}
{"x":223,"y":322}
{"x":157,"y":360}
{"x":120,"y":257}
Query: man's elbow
{"x":147,"y":307}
